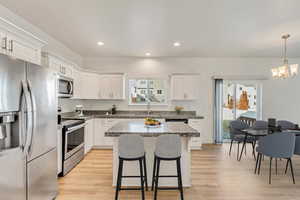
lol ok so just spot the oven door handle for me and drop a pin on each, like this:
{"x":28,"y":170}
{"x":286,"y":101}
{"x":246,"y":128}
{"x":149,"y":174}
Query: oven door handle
{"x":71,"y":129}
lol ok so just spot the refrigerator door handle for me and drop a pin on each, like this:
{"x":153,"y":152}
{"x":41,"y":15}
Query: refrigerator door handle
{"x":29,"y":120}
{"x":34,"y":117}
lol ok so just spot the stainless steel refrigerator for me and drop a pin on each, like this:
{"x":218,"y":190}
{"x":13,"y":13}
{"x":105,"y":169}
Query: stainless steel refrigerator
{"x":28,"y":126}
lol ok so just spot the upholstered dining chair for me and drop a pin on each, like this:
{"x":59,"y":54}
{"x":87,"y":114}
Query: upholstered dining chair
{"x":284,"y":124}
{"x":260,"y":125}
{"x":277,"y":145}
{"x":236,"y":134}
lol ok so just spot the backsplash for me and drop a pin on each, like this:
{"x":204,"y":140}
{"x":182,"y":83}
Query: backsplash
{"x":68,"y":105}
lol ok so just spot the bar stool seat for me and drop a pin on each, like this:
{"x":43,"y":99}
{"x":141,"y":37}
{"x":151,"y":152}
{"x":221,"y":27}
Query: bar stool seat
{"x":168,"y":148}
{"x":131,"y":148}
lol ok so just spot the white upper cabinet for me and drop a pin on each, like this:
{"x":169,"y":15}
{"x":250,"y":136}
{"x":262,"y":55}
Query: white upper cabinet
{"x":59,"y":65}
{"x":90,"y":86}
{"x":112,"y":87}
{"x":185,"y":87}
{"x":3,"y":42}
{"x":19,"y":43}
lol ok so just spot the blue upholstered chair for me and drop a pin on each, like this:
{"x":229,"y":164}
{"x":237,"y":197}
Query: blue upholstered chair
{"x":284,"y":125}
{"x":277,"y":145}
{"x":260,"y":125}
{"x":236,"y":134}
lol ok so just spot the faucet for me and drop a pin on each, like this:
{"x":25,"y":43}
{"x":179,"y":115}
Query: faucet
{"x":148,"y":108}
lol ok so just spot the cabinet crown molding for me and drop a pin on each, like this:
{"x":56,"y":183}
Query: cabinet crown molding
{"x":20,"y":32}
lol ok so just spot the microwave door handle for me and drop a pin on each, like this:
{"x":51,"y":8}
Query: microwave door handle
{"x":71,"y":87}
{"x":34,"y":117}
{"x":29,"y":119}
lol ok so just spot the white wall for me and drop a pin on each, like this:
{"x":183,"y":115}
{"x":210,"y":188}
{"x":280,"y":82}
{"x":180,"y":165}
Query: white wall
{"x":282,"y":99}
{"x":54,"y":46}
{"x":206,"y":67}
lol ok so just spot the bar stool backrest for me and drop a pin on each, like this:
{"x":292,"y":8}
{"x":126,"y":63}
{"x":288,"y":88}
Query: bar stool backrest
{"x":131,"y":146}
{"x":168,"y":146}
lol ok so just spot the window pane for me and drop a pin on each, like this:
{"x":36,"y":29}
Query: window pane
{"x":137,"y":91}
{"x":157,"y":91}
{"x":142,"y":90}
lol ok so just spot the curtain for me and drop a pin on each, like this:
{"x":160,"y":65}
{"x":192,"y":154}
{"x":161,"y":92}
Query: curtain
{"x":218,"y":99}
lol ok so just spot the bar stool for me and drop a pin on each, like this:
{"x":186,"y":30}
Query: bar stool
{"x":131,"y":148}
{"x":168,"y":148}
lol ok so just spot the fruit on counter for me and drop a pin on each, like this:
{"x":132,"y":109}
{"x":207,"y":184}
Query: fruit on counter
{"x":152,"y":122}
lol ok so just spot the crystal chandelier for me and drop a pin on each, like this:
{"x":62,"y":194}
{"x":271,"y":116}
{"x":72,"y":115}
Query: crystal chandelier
{"x":286,"y":70}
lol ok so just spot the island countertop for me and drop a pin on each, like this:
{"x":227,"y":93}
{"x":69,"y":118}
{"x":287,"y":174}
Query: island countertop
{"x":138,"y":127}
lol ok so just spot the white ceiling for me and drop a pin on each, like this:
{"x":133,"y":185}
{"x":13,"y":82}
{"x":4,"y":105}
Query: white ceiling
{"x":206,"y":28}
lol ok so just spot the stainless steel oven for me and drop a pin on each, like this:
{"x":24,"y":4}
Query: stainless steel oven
{"x":65,"y":87}
{"x":73,"y":144}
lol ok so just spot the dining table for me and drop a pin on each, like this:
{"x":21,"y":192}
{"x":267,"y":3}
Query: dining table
{"x":256,"y":133}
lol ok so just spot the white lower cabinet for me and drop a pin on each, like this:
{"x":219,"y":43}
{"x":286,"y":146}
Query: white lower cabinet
{"x":88,"y":135}
{"x":100,"y":127}
{"x":196,"y":142}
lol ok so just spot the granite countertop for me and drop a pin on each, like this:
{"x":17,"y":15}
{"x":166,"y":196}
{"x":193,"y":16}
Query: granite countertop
{"x":133,"y":115}
{"x":137,"y":127}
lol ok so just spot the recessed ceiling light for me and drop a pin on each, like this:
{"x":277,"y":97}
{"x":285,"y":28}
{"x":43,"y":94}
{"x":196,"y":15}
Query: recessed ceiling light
{"x":148,"y":54}
{"x":100,"y":43}
{"x":176,"y":44}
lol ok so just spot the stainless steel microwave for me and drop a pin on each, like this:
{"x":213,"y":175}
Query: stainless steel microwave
{"x":65,"y":87}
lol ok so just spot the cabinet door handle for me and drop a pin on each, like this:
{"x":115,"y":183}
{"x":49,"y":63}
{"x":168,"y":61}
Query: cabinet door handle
{"x":4,"y":43}
{"x":11,"y":46}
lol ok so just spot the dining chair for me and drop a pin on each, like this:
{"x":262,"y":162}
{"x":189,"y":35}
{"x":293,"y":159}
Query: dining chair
{"x":277,"y":145}
{"x":297,"y":146}
{"x":284,"y":124}
{"x":236,"y":134}
{"x":296,"y":151}
{"x":260,"y":125}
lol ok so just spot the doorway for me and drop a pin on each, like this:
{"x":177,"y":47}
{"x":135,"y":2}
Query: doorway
{"x":235,"y":99}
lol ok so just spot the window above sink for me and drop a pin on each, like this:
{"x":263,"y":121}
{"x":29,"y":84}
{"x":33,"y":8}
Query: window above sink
{"x":145,"y":91}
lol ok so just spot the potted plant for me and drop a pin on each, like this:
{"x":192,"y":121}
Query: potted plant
{"x":178,"y":109}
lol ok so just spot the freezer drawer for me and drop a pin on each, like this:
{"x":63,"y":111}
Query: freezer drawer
{"x":42,"y":178}
{"x":12,"y":175}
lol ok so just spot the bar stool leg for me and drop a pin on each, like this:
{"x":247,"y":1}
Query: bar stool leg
{"x":145,"y":171}
{"x":179,"y":178}
{"x":142,"y":179}
{"x":119,"y":178}
{"x":153,"y":174}
{"x":156,"y":178}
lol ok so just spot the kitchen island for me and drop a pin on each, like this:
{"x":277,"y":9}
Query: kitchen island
{"x":150,"y":135}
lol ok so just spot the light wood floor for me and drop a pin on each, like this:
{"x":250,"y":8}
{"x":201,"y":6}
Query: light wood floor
{"x":215,"y":176}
